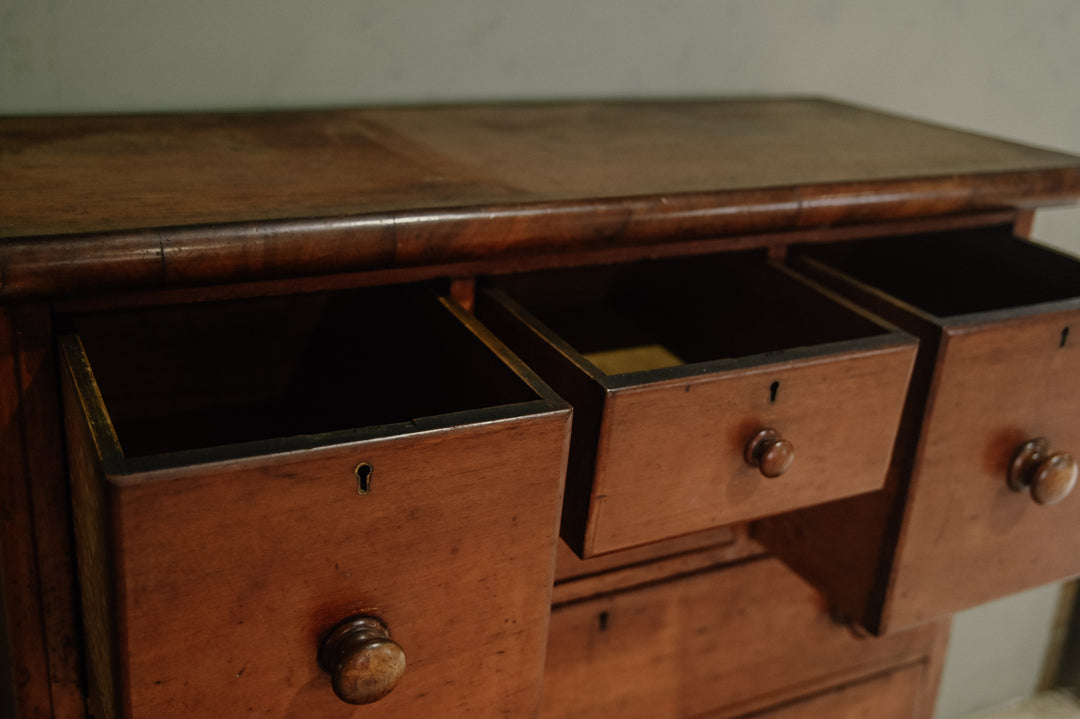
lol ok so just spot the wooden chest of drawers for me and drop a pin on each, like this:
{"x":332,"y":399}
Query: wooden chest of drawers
{"x":657,"y":409}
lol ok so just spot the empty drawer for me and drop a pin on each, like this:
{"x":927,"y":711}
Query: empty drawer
{"x":248,"y":475}
{"x":706,"y":390}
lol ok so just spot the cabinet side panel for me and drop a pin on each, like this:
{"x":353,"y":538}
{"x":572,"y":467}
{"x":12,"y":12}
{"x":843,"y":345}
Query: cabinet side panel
{"x":41,"y":416}
{"x":29,"y":659}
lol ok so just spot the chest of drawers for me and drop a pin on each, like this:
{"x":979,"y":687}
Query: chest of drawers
{"x":692,"y":408}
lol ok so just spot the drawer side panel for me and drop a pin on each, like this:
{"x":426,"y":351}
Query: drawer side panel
{"x":91,"y":517}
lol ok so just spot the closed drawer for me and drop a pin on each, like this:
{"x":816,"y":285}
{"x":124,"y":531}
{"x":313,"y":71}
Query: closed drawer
{"x":247,"y":475}
{"x":999,"y":366}
{"x":723,"y":643}
{"x":674,"y":367}
{"x":892,"y":695}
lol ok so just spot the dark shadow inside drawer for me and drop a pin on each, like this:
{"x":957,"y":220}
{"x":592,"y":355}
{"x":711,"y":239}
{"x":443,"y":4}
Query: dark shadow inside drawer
{"x":955,"y":273}
{"x":665,"y":313}
{"x":185,"y":378}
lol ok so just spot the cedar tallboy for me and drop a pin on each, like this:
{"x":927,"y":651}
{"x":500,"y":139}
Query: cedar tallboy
{"x":301,"y":394}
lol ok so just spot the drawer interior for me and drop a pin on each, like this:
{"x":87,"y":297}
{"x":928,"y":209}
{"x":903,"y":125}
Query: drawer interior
{"x":956,"y":273}
{"x":182,"y":378}
{"x":663,"y":313}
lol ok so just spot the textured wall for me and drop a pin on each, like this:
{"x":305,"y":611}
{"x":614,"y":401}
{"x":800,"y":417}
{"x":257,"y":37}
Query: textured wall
{"x":998,"y":66}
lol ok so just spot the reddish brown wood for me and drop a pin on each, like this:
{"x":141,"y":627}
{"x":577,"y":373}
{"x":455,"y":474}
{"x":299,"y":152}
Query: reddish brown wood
{"x":135,"y":211}
{"x":1025,"y":220}
{"x":660,"y":455}
{"x":673,"y":248}
{"x":892,"y":695}
{"x":934,"y":669}
{"x":91,"y":439}
{"x":948,"y":532}
{"x":217,"y":611}
{"x":731,"y":537}
{"x":54,"y":542}
{"x":39,"y":588}
{"x":463,"y":291}
{"x":211,"y":565}
{"x":583,"y":578}
{"x":845,"y":548}
{"x":136,"y":202}
{"x":720,"y":644}
{"x":967,"y":538}
{"x":692,"y":434}
{"x":22,"y":597}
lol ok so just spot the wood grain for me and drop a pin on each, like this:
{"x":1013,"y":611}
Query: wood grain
{"x":947,"y":533}
{"x":650,"y":563}
{"x":569,"y":566}
{"x":846,"y":548}
{"x":106,"y":212}
{"x":660,"y":453}
{"x":968,"y":537}
{"x":892,"y":695}
{"x":91,"y":441}
{"x":720,"y":644}
{"x":108,"y":298}
{"x":30,"y":692}
{"x":35,"y":535}
{"x":165,"y":201}
{"x":54,"y":543}
{"x":206,"y":565}
{"x":220,"y":612}
{"x":670,"y":458}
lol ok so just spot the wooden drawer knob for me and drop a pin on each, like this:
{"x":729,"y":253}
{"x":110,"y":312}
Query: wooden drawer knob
{"x":364,"y":663}
{"x":1049,"y":476}
{"x":771,"y":454}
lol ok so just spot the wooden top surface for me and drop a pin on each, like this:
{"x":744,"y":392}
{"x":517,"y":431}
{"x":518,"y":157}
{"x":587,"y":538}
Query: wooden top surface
{"x":394,"y":187}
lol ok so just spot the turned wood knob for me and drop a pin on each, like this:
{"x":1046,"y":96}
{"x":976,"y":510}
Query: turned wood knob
{"x":771,"y":454}
{"x":1049,"y":476}
{"x":364,"y":663}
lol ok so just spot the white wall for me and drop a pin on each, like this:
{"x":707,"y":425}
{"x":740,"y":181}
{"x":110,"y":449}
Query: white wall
{"x":1003,"y":67}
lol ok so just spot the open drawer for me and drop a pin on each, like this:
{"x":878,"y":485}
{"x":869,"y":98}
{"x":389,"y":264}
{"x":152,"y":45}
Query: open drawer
{"x":706,"y":391}
{"x":975,"y":508}
{"x":247,"y":475}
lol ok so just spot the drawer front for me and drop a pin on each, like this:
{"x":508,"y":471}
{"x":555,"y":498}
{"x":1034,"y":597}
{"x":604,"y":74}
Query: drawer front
{"x":969,"y":537}
{"x":671,"y":455}
{"x":722,"y":643}
{"x":228,"y":580}
{"x":209,"y":587}
{"x":894,"y":695}
{"x":749,"y":347}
